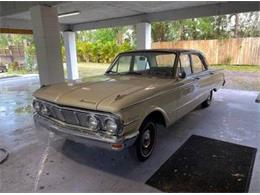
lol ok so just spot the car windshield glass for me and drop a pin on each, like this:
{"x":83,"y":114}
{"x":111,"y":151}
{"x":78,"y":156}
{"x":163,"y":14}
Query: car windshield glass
{"x":153,"y":63}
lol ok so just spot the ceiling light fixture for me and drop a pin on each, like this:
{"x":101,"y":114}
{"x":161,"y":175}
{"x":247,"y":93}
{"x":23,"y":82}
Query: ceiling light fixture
{"x":69,"y":14}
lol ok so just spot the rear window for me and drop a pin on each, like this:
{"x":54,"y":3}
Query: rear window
{"x":165,"y":60}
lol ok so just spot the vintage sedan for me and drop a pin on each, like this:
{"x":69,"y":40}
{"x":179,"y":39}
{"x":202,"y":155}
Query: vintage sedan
{"x":123,"y":107}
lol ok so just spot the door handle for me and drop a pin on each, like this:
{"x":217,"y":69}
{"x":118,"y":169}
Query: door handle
{"x":211,"y":73}
{"x":196,"y":78}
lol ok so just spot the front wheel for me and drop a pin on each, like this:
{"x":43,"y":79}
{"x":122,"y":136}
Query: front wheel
{"x":146,"y":140}
{"x":208,"y":101}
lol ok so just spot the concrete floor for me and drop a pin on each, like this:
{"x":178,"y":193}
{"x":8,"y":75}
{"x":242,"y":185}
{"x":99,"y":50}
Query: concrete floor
{"x":47,"y":163}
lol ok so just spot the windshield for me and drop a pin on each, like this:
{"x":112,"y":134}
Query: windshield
{"x":154,"y":63}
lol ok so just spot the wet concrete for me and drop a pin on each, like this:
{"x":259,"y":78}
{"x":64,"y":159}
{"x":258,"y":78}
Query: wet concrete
{"x":43,"y":162}
{"x":257,"y":100}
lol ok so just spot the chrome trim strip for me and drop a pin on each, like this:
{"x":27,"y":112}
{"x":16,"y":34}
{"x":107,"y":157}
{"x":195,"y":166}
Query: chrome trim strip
{"x":130,"y":122}
{"x":189,"y":102}
{"x":132,"y":135}
{"x":160,"y":93}
{"x":181,"y":83}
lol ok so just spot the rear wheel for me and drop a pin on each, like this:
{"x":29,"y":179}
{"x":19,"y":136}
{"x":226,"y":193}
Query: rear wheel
{"x":146,"y":140}
{"x":208,"y":101}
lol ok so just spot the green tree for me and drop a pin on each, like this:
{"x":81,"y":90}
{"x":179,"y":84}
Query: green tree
{"x":161,"y":31}
{"x":102,"y":45}
{"x":30,"y":58}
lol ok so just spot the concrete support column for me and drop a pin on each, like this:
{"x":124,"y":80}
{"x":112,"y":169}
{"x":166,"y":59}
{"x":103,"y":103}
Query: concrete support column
{"x":144,"y":36}
{"x":71,"y":55}
{"x":47,"y":41}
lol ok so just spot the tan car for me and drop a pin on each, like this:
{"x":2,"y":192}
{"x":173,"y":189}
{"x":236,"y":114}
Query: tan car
{"x":140,"y":90}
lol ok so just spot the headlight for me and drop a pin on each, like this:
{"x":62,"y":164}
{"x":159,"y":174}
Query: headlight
{"x":110,"y":126}
{"x":36,"y":106}
{"x":92,"y":122}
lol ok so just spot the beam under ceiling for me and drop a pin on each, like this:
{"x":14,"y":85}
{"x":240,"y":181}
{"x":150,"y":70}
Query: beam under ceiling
{"x":218,"y":8}
{"x":16,"y":31}
{"x":177,"y":14}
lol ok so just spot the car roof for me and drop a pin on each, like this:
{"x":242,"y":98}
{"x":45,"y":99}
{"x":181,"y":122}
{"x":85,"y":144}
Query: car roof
{"x":164,"y":50}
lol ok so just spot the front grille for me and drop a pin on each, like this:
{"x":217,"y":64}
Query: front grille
{"x":64,"y":115}
{"x":79,"y":119}
{"x":74,"y":116}
{"x":70,"y":117}
{"x":56,"y":113}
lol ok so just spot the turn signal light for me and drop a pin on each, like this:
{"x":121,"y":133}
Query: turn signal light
{"x":117,"y":146}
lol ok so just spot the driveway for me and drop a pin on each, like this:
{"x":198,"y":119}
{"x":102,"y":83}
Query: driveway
{"x":42,"y":162}
{"x":15,"y":102}
{"x":249,"y":81}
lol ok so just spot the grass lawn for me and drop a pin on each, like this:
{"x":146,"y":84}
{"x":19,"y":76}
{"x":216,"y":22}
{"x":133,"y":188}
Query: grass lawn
{"x":91,"y":69}
{"x":241,"y":77}
{"x":239,"y":68}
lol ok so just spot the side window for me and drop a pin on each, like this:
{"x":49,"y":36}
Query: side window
{"x":141,"y":63}
{"x":197,"y":65}
{"x":185,"y":64}
{"x":123,"y":64}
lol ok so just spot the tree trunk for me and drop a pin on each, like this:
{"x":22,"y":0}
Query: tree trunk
{"x":182,"y":31}
{"x":236,"y":32}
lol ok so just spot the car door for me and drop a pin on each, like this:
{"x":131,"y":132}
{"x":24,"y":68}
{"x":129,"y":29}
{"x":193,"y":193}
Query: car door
{"x":201,"y":78}
{"x":185,"y":85}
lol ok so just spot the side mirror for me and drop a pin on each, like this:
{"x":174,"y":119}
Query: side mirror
{"x":182,"y":75}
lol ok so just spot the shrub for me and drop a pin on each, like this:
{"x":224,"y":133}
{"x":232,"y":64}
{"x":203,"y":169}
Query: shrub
{"x":84,"y":51}
{"x":14,"y":66}
{"x":30,"y":59}
{"x":100,"y":52}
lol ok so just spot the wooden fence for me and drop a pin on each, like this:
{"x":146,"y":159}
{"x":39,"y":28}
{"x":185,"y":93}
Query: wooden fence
{"x":12,"y":54}
{"x":226,"y":51}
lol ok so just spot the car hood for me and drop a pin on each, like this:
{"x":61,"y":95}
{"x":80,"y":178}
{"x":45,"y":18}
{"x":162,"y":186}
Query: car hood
{"x":90,"y":93}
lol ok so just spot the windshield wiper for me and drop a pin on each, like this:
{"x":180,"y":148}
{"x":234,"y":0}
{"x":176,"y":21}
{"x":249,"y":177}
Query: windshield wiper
{"x":133,"y":72}
{"x":111,"y":71}
{"x":125,"y":73}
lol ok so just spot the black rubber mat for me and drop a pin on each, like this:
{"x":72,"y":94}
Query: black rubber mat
{"x":206,"y":165}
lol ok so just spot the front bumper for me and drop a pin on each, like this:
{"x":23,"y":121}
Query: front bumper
{"x":79,"y":135}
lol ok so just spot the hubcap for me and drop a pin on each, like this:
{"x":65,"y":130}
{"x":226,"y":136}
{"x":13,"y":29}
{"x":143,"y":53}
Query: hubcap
{"x":146,"y":139}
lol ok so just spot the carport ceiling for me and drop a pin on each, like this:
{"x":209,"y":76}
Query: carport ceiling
{"x":108,"y":14}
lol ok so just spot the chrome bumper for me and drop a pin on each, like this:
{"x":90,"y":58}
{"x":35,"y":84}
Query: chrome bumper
{"x":76,"y":134}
